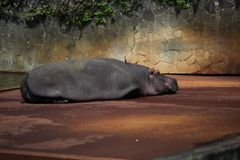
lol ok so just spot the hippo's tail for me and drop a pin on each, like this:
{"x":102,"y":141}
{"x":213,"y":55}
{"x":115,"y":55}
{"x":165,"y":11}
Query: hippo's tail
{"x":25,"y":92}
{"x":24,"y":88}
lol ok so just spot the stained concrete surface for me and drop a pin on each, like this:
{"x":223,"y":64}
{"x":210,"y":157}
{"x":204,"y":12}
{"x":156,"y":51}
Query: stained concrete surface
{"x":205,"y":109}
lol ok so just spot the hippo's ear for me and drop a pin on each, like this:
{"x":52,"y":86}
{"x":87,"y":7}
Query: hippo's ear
{"x":156,"y":73}
{"x":150,"y":71}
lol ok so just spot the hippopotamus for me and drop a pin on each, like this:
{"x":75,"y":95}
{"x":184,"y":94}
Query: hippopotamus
{"x":93,"y":79}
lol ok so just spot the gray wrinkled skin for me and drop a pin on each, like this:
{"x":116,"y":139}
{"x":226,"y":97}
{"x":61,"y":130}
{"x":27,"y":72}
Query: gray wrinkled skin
{"x":93,"y":79}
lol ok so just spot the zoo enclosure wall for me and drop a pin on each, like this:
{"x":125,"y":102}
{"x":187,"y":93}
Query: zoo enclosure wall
{"x":201,"y":41}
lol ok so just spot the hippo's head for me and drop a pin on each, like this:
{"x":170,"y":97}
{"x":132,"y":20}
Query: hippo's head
{"x":171,"y":84}
{"x":162,"y":84}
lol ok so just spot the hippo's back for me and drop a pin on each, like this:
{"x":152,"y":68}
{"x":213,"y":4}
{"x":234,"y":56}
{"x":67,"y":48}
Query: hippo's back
{"x":85,"y":80}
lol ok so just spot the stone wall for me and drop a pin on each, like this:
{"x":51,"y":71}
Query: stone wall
{"x":205,"y":42}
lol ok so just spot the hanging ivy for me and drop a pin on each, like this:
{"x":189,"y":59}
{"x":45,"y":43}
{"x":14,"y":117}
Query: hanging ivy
{"x":180,"y":4}
{"x":79,"y":12}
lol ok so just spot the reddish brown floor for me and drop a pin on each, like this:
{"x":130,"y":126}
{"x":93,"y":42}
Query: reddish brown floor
{"x":204,"y":110}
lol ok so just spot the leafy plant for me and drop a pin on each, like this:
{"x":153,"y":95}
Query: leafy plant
{"x":179,"y":4}
{"x":9,"y":9}
{"x":2,"y":9}
{"x":81,"y":12}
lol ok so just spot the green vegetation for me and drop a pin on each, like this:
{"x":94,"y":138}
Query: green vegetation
{"x":180,"y":4}
{"x":81,"y":12}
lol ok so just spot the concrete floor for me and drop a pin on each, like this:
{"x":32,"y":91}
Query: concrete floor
{"x":205,"y":109}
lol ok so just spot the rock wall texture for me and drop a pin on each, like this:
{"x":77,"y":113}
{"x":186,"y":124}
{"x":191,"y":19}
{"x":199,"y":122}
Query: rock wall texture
{"x":205,"y":42}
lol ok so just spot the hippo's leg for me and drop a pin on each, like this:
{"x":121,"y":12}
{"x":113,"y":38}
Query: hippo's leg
{"x":26,"y":93}
{"x":132,"y":94}
{"x":28,"y":96}
{"x":55,"y":100}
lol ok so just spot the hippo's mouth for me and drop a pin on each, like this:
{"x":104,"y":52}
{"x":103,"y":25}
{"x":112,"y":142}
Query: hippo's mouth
{"x":171,"y":86}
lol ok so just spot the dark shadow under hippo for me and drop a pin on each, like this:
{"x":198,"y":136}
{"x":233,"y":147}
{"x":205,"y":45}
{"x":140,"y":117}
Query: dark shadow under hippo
{"x":93,"y":79}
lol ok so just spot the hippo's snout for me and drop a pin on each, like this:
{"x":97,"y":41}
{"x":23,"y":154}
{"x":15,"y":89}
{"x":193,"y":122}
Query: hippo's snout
{"x":171,"y":85}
